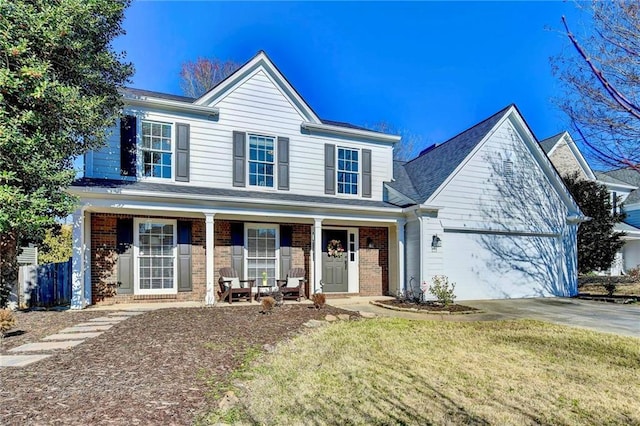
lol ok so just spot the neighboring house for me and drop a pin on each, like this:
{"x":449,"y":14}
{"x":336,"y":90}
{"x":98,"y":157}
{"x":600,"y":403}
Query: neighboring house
{"x":623,"y":185}
{"x":249,"y":176}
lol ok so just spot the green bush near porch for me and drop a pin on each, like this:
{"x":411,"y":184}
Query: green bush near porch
{"x":393,"y":371}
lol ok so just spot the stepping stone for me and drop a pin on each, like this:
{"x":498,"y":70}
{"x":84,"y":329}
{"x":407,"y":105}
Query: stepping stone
{"x":314,"y":323}
{"x":20,"y":360}
{"x":83,"y":329}
{"x":108,"y":319}
{"x":129,"y":313}
{"x":46,"y":346}
{"x":72,"y":336}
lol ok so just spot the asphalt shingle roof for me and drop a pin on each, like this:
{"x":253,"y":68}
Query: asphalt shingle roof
{"x":155,"y":187}
{"x":549,"y":143}
{"x":425,"y":173}
{"x":151,"y":94}
{"x":630,"y":177}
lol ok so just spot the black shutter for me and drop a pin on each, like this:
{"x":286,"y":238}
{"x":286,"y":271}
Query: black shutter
{"x":366,"y":173}
{"x":286,"y":239}
{"x":128,"y":145}
{"x":283,"y":163}
{"x":237,"y":247}
{"x":184,"y":256}
{"x":239,"y":160}
{"x":124,"y":250}
{"x":329,"y":169}
{"x":182,"y":152}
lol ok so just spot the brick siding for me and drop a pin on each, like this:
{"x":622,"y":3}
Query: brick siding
{"x":104,"y":266}
{"x":374,"y":262}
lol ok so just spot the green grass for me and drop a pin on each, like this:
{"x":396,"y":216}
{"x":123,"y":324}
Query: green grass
{"x":393,"y":371}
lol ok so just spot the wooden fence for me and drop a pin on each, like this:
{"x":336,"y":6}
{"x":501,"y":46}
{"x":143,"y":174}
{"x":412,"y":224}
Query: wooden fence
{"x":45,"y":285}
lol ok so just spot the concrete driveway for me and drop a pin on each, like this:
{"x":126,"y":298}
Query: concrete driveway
{"x":607,"y":317}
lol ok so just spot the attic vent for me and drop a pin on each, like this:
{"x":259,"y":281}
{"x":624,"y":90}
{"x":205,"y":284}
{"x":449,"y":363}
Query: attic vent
{"x":507,"y":168}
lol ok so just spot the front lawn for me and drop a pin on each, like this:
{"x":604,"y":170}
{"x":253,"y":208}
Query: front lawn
{"x":393,"y":371}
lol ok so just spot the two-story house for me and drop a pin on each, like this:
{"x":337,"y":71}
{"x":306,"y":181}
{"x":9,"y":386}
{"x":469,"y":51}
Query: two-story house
{"x":248,"y":176}
{"x":622,"y":184}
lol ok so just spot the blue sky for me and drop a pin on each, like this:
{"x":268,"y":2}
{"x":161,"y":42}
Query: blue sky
{"x":428,"y":68}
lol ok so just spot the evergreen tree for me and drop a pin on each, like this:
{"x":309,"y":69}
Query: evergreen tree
{"x":59,"y":81}
{"x":598,"y":243}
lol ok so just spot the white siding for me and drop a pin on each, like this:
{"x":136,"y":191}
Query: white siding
{"x":503,"y":235}
{"x":412,"y":254}
{"x":255,"y":106}
{"x":631,"y":255}
{"x":479,"y":196}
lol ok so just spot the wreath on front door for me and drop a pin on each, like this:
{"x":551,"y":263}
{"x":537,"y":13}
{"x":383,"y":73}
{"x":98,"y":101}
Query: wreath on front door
{"x":334,"y":248}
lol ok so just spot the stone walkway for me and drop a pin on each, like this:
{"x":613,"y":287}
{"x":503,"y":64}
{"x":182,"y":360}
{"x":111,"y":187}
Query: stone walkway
{"x":66,"y":338}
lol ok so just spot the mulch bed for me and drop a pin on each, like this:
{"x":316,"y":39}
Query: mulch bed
{"x":430,"y":307}
{"x":149,"y":369}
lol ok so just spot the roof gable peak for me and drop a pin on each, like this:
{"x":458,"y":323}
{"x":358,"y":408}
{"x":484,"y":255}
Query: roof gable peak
{"x":260,"y":61}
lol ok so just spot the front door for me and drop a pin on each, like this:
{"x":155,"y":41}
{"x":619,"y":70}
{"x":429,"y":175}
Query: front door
{"x":335,"y":261}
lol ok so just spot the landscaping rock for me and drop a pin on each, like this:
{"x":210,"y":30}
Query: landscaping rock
{"x":331,"y":318}
{"x":269,"y":348}
{"x":228,"y":401}
{"x":344,"y":317}
{"x":314,"y":323}
{"x":367,"y":314}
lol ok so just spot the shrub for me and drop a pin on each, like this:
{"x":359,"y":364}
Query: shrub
{"x":268,"y":303}
{"x":319,"y":299}
{"x":442,"y":289}
{"x":7,"y":321}
{"x":610,"y":286}
{"x":634,"y":273}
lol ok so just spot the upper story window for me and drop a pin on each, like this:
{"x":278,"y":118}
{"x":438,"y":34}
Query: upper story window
{"x":261,"y":160}
{"x":156,"y":149}
{"x":348,"y":167}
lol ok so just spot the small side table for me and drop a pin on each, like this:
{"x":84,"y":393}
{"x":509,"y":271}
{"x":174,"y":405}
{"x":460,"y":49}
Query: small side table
{"x":262,"y":289}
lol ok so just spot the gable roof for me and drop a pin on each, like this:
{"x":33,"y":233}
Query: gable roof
{"x":549,"y":143}
{"x":201,"y":104}
{"x":260,"y":62}
{"x":433,"y":166}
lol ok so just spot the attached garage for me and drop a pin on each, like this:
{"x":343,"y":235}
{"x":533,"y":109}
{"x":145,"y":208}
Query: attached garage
{"x":502,"y":265}
{"x":491,"y":213}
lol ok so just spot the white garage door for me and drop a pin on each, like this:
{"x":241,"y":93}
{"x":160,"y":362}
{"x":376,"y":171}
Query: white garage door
{"x":498,"y":266}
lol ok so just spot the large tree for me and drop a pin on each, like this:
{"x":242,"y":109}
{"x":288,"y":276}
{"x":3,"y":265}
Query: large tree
{"x":59,"y":81}
{"x":598,"y":243}
{"x":198,"y":76}
{"x":601,"y":75}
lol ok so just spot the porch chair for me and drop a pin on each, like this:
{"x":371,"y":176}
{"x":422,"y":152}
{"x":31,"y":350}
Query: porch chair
{"x":231,"y":285}
{"x":292,"y":287}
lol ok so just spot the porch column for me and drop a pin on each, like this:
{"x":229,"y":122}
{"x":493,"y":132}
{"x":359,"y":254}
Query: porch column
{"x":78,"y":291}
{"x":401,"y":265}
{"x":210,"y":273}
{"x":317,"y":255}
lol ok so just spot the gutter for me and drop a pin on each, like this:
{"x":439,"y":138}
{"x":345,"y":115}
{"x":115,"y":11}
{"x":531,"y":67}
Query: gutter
{"x":168,"y":104}
{"x":337,"y":130}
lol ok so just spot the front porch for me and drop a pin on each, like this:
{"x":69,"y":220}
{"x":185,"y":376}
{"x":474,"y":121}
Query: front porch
{"x":130,"y":255}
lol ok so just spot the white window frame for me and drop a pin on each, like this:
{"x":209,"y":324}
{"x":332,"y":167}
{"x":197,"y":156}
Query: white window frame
{"x":358,"y":173}
{"x":248,"y":226}
{"x":136,"y":256}
{"x":140,"y":151}
{"x":275,"y":161}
